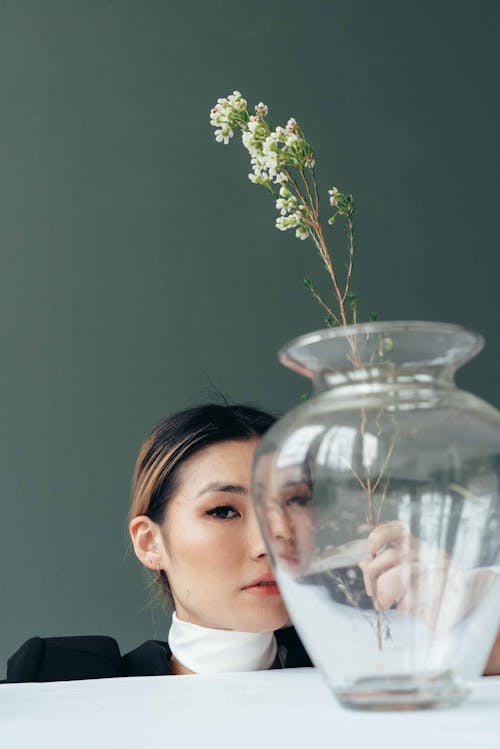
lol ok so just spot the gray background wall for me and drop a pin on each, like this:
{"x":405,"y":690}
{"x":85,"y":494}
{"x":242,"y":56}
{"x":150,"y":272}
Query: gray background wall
{"x":140,"y":269}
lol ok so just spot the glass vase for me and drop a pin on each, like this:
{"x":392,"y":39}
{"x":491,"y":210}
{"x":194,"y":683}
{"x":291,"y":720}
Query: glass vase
{"x":378,"y":498}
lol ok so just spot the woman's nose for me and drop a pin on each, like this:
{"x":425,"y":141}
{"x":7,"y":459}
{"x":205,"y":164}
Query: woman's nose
{"x":279,"y":524}
{"x":256,"y":542}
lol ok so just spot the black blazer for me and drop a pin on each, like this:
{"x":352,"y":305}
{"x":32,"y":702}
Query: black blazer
{"x":97,"y":657}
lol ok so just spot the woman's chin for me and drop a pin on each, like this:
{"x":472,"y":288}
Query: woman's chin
{"x":275,"y":617}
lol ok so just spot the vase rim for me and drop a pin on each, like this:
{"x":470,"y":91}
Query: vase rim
{"x":473,"y":342}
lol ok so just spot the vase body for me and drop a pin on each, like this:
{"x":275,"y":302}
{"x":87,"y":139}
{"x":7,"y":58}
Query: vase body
{"x":379,"y":500}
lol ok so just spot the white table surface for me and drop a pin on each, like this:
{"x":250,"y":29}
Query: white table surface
{"x":286,"y":709}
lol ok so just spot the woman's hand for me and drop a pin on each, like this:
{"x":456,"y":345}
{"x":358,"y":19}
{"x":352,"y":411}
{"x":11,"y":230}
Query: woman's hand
{"x":424,"y":581}
{"x":420,"y":579}
{"x":394,"y":575}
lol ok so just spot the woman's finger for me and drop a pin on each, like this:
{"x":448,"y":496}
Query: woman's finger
{"x":371,"y":569}
{"x":393,"y":532}
{"x":411,"y":585}
{"x":391,"y":585}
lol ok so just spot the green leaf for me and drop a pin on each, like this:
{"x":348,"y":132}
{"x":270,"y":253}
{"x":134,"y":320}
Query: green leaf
{"x":330,"y":321}
{"x":353,"y":301}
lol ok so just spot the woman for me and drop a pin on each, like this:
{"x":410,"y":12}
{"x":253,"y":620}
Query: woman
{"x":193,"y":525}
{"x":192,"y":521}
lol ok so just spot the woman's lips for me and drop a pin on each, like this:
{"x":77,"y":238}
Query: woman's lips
{"x":265,"y":585}
{"x":289,"y":559}
{"x":264,"y":589}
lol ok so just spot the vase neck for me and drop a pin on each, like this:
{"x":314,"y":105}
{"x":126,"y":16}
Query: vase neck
{"x":374,"y":380}
{"x":375,"y":356}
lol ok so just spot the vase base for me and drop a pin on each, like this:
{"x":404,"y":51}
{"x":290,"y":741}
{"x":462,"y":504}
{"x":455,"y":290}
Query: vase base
{"x":403,"y":692}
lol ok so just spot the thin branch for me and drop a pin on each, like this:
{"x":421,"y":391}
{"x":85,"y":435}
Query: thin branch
{"x":323,"y":304}
{"x":311,"y":201}
{"x":331,"y":271}
{"x":353,"y":472}
{"x":350,"y":234}
{"x":384,"y":464}
{"x":316,"y":195}
{"x":297,"y":189}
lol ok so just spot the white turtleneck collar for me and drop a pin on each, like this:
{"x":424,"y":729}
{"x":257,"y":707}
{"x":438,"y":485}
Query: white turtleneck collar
{"x":207,"y":651}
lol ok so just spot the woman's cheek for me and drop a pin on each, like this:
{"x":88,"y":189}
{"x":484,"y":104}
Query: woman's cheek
{"x":209,"y":541}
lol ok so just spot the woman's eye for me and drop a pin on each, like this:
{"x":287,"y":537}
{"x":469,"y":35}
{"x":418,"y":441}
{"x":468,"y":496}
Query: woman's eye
{"x":223,"y":512}
{"x":300,"y":500}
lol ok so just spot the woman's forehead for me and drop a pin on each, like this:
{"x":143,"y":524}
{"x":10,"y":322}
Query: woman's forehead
{"x":270,"y":474}
{"x":223,"y":461}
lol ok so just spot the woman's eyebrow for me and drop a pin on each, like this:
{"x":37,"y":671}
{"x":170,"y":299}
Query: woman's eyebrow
{"x":218,"y":486}
{"x":286,"y":484}
{"x":292,"y":482}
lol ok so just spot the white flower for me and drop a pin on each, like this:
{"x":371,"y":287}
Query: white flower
{"x":225,"y":116}
{"x":271,"y":154}
{"x":286,"y":222}
{"x":247,"y":139}
{"x":236,"y":100}
{"x":287,"y":204}
{"x":334,"y":194}
{"x":301,"y":232}
{"x":253,"y":124}
{"x":223,"y":134}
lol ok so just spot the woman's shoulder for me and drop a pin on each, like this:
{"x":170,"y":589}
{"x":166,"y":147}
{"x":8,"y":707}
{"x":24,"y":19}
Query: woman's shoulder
{"x":84,"y":657}
{"x":98,"y":657}
{"x":152,"y":658}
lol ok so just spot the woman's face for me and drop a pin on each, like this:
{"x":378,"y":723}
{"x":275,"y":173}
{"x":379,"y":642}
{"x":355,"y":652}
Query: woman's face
{"x":213,"y":552}
{"x":288,"y":512}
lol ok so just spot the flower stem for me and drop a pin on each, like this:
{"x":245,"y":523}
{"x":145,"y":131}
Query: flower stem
{"x":350,"y":236}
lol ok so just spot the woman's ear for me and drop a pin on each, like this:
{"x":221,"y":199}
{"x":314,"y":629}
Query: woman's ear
{"x":145,"y":535}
